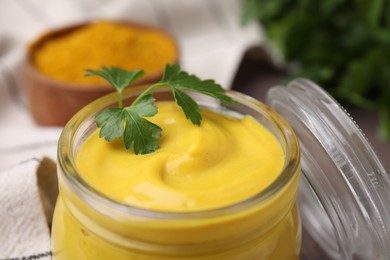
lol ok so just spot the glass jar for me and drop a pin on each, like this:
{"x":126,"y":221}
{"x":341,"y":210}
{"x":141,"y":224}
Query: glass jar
{"x":89,"y":225}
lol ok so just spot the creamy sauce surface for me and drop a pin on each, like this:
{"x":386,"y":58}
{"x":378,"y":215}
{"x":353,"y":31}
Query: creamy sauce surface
{"x":224,"y":161}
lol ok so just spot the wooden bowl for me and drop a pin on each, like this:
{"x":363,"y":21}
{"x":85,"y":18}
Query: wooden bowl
{"x":53,"y":102}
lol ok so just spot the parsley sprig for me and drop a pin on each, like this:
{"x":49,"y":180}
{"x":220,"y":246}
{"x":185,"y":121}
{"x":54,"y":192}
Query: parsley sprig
{"x":138,"y":133}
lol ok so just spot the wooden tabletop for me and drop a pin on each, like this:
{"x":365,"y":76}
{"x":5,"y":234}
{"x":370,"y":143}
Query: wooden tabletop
{"x":256,"y":75}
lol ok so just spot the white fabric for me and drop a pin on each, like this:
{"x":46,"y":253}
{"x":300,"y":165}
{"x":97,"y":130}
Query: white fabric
{"x":24,"y":231}
{"x":211,"y":41}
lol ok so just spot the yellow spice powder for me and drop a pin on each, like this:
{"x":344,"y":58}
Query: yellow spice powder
{"x":104,"y":44}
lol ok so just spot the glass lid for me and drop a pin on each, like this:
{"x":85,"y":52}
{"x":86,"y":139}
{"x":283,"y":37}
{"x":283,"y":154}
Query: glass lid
{"x":344,"y":193}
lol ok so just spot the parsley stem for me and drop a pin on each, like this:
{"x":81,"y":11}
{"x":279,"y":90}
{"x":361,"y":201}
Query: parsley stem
{"x":146,"y":92}
{"x":120,"y":104}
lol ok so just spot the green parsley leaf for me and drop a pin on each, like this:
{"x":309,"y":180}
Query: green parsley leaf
{"x":111,"y":123}
{"x":141,"y":134}
{"x":117,"y":77}
{"x":179,"y":81}
{"x":189,"y":106}
{"x":138,"y":133}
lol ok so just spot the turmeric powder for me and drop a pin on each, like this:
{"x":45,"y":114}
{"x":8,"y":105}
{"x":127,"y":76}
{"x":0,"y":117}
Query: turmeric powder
{"x":104,"y":43}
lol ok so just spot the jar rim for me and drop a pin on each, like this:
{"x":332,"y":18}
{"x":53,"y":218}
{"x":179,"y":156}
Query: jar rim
{"x":66,"y":161}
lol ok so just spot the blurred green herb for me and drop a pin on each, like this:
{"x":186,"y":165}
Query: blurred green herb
{"x":138,"y":133}
{"x":343,"y":45}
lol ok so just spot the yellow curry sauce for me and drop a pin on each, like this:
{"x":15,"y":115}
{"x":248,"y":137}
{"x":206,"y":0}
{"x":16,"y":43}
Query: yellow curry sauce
{"x":221,"y":162}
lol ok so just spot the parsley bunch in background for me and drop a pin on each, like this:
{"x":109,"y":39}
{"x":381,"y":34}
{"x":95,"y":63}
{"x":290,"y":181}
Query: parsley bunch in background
{"x":343,"y":45}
